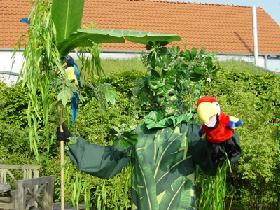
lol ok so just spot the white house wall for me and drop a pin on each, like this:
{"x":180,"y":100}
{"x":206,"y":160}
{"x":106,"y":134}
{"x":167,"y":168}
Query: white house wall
{"x":247,"y":58}
{"x":8,"y":69}
{"x":273,"y":65}
{"x":119,"y":55}
{"x":6,"y":60}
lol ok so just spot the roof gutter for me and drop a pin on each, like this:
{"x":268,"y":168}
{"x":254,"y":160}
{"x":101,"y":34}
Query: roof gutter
{"x":9,"y":73}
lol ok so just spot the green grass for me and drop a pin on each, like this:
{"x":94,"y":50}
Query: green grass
{"x":213,"y":190}
{"x":242,"y":66}
{"x":112,"y":66}
{"x":118,"y":66}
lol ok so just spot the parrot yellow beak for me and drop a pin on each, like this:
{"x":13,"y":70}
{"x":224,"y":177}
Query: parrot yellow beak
{"x":205,"y":111}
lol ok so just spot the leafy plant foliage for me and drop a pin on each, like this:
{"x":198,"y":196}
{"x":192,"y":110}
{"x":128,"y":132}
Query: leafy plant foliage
{"x":163,"y":173}
{"x":173,"y":75}
{"x":41,"y":72}
{"x":243,"y":91}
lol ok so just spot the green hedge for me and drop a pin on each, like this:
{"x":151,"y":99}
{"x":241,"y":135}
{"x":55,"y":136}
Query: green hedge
{"x":96,"y":122}
{"x":242,"y":90}
{"x":250,"y":94}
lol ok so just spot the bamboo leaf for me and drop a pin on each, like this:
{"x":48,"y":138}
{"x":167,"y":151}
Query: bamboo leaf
{"x":67,"y":16}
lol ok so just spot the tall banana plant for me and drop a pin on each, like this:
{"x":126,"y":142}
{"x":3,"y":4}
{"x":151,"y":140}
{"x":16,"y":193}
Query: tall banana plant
{"x":67,"y":16}
{"x":55,"y":30}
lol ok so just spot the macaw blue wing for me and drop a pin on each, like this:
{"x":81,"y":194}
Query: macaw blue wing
{"x":234,"y":124}
{"x":77,"y":74}
{"x":74,"y":107}
{"x":25,"y":20}
{"x":75,"y":97}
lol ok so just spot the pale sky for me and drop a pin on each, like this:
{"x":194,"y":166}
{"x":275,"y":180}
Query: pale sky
{"x":272,"y":7}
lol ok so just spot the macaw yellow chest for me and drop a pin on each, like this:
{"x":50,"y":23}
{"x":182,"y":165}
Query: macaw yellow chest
{"x":70,"y":75}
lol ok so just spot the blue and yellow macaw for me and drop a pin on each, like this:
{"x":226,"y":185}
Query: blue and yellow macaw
{"x":72,"y":74}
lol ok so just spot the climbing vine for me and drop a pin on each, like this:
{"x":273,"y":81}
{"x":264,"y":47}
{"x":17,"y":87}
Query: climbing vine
{"x":173,"y":84}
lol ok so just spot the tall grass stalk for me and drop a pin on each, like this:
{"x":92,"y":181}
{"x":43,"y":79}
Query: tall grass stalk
{"x":77,"y":187}
{"x":114,"y":193}
{"x":87,"y":197}
{"x":90,"y":65}
{"x":213,"y":190}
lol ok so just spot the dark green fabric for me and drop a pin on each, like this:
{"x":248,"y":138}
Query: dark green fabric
{"x":200,"y":152}
{"x":100,"y":161}
{"x":107,"y":161}
{"x":236,"y":139}
{"x":160,"y":151}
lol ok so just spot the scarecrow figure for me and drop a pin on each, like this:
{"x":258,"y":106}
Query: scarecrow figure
{"x":218,"y":128}
{"x":164,"y":151}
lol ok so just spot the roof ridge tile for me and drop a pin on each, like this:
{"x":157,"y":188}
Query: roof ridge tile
{"x":195,"y":3}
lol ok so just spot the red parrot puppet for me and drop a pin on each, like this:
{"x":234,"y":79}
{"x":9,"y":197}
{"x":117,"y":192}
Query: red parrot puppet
{"x":218,"y":128}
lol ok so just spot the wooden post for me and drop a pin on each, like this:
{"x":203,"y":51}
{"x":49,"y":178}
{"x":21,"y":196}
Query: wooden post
{"x":61,"y":162}
{"x":62,"y":173}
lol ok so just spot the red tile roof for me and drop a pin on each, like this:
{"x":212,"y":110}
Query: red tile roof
{"x":218,"y":28}
{"x":11,"y":29}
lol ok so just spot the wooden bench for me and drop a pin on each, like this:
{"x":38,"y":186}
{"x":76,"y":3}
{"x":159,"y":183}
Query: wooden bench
{"x":23,"y":189}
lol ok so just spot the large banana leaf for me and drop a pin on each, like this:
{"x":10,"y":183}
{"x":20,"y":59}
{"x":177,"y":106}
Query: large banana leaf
{"x":137,"y":36}
{"x":67,"y":16}
{"x":145,"y":37}
{"x":163,"y":170}
{"x":85,"y":37}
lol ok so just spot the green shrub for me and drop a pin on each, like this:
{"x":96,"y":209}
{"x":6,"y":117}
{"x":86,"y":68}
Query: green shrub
{"x":98,"y":123}
{"x":242,"y":90}
{"x":13,"y":122}
{"x":13,"y":104}
{"x":251,"y":95}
